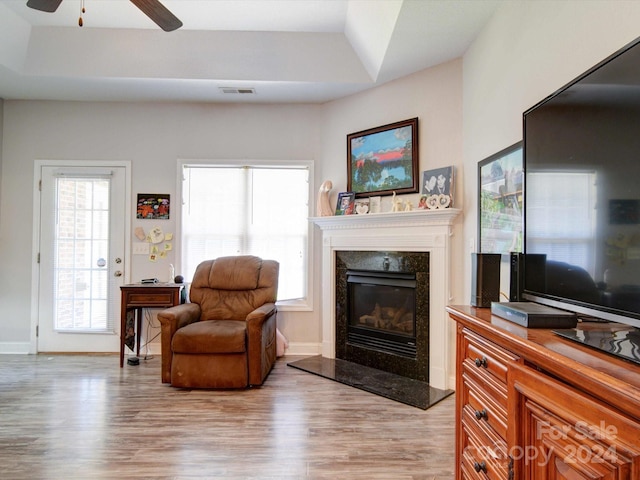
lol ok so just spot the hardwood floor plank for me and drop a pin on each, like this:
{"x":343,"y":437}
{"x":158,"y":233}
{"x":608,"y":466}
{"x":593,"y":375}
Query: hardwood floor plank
{"x":79,"y":417}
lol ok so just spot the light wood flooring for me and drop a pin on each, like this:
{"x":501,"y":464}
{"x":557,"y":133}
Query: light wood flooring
{"x":82,"y":417}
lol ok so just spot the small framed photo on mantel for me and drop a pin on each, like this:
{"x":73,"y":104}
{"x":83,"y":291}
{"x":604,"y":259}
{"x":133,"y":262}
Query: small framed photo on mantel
{"x":345,"y":204}
{"x":437,"y":188}
{"x":361,"y":206}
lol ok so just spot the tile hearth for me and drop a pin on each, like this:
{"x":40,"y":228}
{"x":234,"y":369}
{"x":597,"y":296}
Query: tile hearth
{"x":395,"y":387}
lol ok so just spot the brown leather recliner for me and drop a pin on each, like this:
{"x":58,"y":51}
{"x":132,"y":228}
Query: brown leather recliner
{"x":226,"y":336}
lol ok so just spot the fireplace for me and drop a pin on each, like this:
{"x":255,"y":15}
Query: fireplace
{"x":423,"y":231}
{"x":382,"y":311}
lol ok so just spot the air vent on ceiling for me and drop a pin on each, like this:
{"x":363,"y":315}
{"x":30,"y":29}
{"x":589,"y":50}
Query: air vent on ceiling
{"x":250,"y":91}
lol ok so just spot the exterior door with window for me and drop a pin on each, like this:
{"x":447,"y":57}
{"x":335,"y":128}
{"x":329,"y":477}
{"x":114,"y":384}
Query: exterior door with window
{"x":82,"y":247}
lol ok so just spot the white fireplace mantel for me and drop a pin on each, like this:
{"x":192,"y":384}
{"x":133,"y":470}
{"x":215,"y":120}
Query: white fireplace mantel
{"x":415,"y":231}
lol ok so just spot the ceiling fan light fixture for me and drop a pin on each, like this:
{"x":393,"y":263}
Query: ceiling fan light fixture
{"x":160,"y":14}
{"x":82,"y":10}
{"x":48,"y":6}
{"x":153,"y":9}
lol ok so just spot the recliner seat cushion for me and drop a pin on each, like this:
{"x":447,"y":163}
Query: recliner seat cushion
{"x":211,"y":336}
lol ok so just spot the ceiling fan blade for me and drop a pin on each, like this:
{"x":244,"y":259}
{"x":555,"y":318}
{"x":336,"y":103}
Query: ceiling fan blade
{"x":159,"y":14}
{"x":44,"y":5}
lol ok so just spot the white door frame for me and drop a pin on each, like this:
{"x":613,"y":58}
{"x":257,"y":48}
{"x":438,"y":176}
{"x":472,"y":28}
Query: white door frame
{"x":35,"y":245}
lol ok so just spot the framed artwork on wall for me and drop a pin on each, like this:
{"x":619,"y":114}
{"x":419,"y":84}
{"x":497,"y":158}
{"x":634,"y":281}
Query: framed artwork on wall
{"x":383,"y":160}
{"x":501,"y":201}
{"x":153,"y":206}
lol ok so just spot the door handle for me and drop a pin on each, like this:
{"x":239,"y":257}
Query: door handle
{"x":117,"y":273}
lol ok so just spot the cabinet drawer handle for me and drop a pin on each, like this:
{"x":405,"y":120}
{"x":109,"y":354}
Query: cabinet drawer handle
{"x":481,"y":362}
{"x":480,"y":414}
{"x":480,"y":467}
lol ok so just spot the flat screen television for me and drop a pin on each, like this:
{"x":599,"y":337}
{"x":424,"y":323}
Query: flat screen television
{"x":581,"y":159}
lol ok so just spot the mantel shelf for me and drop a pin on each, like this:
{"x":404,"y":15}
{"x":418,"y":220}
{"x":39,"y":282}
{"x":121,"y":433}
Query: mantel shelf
{"x":445,"y":216}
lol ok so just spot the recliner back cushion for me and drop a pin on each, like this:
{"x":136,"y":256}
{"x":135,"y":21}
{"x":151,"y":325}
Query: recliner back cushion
{"x":229,"y":288}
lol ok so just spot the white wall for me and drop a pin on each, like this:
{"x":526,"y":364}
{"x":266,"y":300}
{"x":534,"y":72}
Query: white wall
{"x":1,"y":137}
{"x":433,"y":96}
{"x":152,"y":137}
{"x":528,"y":51}
{"x":468,"y":109}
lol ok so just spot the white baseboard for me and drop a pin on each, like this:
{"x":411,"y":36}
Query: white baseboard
{"x":155,"y":349}
{"x":307,"y":349}
{"x":151,"y":349}
{"x":14,"y":348}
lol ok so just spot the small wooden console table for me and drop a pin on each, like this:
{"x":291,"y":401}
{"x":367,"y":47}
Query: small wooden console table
{"x":137,"y":296}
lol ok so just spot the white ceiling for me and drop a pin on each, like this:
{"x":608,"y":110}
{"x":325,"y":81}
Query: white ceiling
{"x":309,"y":51}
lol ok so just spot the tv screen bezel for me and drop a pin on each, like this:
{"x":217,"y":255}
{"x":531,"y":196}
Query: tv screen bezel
{"x":579,"y":307}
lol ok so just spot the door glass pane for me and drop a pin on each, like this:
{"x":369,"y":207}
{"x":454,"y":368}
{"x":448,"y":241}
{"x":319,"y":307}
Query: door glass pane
{"x":81,"y":239}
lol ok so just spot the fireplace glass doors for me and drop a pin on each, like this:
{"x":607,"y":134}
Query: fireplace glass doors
{"x":382,"y":311}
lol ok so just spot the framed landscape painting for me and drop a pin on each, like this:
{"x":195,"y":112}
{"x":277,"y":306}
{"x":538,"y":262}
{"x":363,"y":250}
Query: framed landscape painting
{"x":383,"y":160}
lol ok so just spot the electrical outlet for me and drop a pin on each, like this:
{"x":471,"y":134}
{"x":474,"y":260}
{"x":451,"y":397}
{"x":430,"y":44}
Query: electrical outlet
{"x":140,"y":248}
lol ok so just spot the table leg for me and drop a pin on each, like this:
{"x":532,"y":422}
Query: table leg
{"x":123,"y":322}
{"x":138,"y":329}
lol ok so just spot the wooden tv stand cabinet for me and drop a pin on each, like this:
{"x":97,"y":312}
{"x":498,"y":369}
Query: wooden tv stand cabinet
{"x":531,"y":405}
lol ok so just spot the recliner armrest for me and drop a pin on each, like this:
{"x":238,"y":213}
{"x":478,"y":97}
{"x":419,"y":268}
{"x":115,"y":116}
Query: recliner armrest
{"x":180,"y":315}
{"x":261,"y":341}
{"x":171,"y":320}
{"x":262,"y":312}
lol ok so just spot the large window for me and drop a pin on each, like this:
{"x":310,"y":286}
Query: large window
{"x":258,"y":209}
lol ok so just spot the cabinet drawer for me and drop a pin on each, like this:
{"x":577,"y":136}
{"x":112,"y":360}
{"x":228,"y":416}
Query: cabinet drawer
{"x":485,"y":455}
{"x":495,"y":389}
{"x":467,"y":471}
{"x":483,"y":408}
{"x":159,"y":299}
{"x":485,"y":355}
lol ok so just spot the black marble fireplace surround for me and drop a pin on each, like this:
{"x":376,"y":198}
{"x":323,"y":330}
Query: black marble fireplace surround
{"x":411,"y":264}
{"x":398,"y":377}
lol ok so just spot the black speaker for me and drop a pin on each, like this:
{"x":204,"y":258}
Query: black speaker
{"x":485,"y":279}
{"x":516,"y":279}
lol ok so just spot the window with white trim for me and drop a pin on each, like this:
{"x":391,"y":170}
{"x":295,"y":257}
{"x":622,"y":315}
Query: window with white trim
{"x":258,"y":209}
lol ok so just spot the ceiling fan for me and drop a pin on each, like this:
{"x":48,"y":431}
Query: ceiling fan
{"x":151,"y":8}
